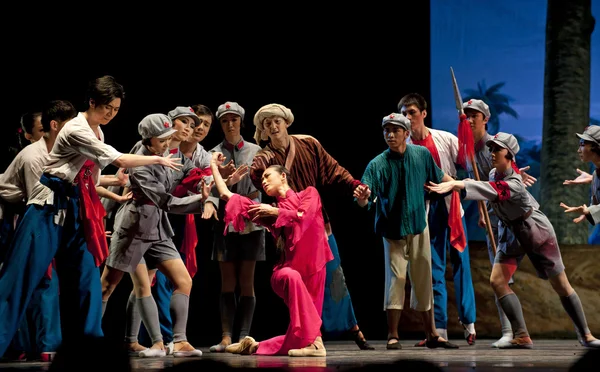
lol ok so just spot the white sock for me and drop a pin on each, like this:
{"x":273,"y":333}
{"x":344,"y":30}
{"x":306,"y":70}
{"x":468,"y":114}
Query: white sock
{"x":470,"y":328}
{"x":443,"y":332}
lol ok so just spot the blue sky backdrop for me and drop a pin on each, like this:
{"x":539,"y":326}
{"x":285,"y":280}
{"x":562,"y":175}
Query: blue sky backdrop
{"x":497,"y":41}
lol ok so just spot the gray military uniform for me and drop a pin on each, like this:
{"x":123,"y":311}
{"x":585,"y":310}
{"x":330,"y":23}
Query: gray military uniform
{"x":141,"y":228}
{"x":483,"y":159}
{"x":519,"y":213}
{"x":248,"y":245}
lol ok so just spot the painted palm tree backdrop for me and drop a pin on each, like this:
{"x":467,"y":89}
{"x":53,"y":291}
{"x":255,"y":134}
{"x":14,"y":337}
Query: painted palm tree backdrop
{"x":499,"y":103}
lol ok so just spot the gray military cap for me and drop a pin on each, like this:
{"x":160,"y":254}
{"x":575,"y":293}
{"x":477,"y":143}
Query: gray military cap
{"x":591,"y":134}
{"x":230,"y":108}
{"x":156,"y":125}
{"x":478,"y":105}
{"x":507,"y":141}
{"x":396,"y":119}
{"x":180,"y":111}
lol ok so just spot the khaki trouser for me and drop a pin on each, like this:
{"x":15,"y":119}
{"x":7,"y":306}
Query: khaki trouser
{"x":412,"y":253}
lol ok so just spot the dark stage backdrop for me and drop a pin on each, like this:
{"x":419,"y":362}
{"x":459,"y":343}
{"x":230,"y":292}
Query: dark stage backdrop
{"x":339,"y":73}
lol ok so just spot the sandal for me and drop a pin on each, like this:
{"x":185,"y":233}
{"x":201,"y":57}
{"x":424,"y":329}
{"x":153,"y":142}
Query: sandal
{"x":394,"y":345}
{"x":361,"y":342}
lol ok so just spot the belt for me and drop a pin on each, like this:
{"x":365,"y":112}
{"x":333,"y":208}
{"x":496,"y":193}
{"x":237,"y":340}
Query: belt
{"x":143,"y":201}
{"x":523,"y":217}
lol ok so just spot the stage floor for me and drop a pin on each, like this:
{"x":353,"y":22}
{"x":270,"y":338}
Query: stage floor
{"x":548,"y":355}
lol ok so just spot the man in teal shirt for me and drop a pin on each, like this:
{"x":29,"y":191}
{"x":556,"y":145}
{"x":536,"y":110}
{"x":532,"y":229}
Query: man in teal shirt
{"x":396,"y":180}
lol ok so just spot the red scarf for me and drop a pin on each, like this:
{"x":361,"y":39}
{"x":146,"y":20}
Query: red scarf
{"x":92,"y":214}
{"x":190,"y":236}
{"x":458,"y":238}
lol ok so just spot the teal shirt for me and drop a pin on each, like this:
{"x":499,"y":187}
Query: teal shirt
{"x":397,"y":190}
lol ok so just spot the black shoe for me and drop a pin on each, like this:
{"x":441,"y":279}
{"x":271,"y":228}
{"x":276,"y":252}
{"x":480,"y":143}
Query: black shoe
{"x":421,"y":343}
{"x":395,"y":345}
{"x":362,"y":343}
{"x":435,"y":343}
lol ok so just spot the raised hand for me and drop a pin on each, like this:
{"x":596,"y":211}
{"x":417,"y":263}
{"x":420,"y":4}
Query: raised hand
{"x":217,"y":158}
{"x":227,"y":169}
{"x":582,"y":179}
{"x":527,"y":178}
{"x":205,"y":189}
{"x":170,"y":162}
{"x":582,"y":210}
{"x":237,"y":175}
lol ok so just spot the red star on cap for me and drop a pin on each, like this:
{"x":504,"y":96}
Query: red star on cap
{"x":496,"y":136}
{"x":391,"y":116}
{"x":470,"y":102}
{"x":166,"y":124}
{"x":191,"y":109}
{"x":227,"y":106}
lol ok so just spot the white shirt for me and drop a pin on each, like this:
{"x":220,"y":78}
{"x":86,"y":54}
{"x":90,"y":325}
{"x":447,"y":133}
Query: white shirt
{"x":17,"y":182}
{"x":75,"y":144}
{"x":446,"y":144}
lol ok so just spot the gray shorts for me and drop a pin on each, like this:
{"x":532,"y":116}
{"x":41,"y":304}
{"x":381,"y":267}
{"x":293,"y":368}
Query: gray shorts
{"x":539,"y":243}
{"x":238,"y":247}
{"x":127,"y":251}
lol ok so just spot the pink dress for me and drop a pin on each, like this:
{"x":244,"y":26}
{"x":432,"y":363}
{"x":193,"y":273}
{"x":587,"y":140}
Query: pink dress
{"x":300,"y":278}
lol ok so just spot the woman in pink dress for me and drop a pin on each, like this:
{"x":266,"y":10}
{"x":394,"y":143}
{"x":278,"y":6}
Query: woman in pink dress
{"x":299,"y":278}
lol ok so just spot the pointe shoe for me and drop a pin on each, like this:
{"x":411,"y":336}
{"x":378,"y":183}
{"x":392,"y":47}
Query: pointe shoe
{"x":153,"y":353}
{"x":135,"y":353}
{"x":506,"y":338}
{"x":187,"y":354}
{"x":218,"y":348}
{"x":243,"y":347}
{"x":517,"y":343}
{"x":316,"y":349}
{"x":170,"y":348}
{"x":595,"y":344}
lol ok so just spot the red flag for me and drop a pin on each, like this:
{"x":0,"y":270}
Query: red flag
{"x":188,"y":246}
{"x":466,"y":144}
{"x":458,"y":239}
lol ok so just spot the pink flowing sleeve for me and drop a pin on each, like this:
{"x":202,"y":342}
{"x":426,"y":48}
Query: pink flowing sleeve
{"x":302,"y":218}
{"x":236,"y":209}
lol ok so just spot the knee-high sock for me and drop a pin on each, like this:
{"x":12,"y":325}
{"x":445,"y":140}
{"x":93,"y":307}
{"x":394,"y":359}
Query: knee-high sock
{"x":247,"y":303}
{"x":179,"y":309}
{"x":104,"y":303}
{"x":572,"y":305}
{"x":227,"y":307}
{"x":134,"y":320}
{"x":504,"y":322}
{"x":514,"y":312}
{"x":149,"y":314}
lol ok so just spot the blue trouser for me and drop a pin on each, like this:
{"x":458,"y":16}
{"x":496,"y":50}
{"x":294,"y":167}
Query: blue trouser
{"x":38,"y":239}
{"x":594,"y":238}
{"x":461,"y":268}
{"x":338,"y":313}
{"x":42,"y":320}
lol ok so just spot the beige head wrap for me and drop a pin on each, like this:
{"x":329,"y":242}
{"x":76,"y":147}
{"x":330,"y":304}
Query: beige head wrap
{"x":267,"y":111}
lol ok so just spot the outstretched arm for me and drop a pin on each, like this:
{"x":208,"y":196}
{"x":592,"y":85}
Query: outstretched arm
{"x":583,"y":179}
